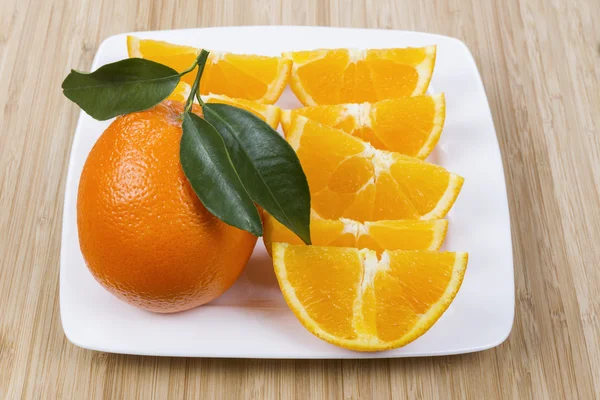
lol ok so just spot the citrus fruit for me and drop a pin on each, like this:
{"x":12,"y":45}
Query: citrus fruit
{"x":243,"y":76}
{"x":376,"y":235}
{"x":143,"y":232}
{"x":267,"y":112}
{"x":349,"y":178}
{"x":355,"y":76}
{"x":354,"y":299}
{"x":408,"y":125}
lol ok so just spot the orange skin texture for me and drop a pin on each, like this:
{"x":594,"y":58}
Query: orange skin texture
{"x":143,"y":232}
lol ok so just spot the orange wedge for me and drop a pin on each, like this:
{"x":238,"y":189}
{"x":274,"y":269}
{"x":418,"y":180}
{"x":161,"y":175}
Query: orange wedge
{"x":377,"y":235}
{"x":250,"y":77}
{"x":409,"y":125}
{"x":173,"y":55}
{"x":349,"y":178}
{"x":267,"y":112}
{"x":354,"y":299}
{"x":356,"y":76}
{"x":181,"y":92}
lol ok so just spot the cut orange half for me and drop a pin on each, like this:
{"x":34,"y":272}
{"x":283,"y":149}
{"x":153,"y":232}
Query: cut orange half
{"x":377,"y":235}
{"x":354,"y":299}
{"x":356,"y":76}
{"x":267,"y":112}
{"x":349,"y":178}
{"x":409,"y":125}
{"x":250,"y":77}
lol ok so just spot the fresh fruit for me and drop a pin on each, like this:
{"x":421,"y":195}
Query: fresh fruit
{"x":250,"y":77}
{"x":377,"y":235}
{"x":354,"y":299}
{"x":181,"y":93}
{"x":356,"y":76}
{"x":267,"y":112}
{"x":143,"y":232}
{"x":409,"y":125}
{"x":351,"y":179}
{"x":173,"y":55}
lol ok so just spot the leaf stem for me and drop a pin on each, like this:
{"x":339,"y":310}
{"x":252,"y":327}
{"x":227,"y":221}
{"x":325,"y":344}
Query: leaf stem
{"x":198,"y":97}
{"x":190,"y":68}
{"x":200,"y":62}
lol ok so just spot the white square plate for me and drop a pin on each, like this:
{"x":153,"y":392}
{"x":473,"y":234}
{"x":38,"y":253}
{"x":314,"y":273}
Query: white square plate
{"x":252,"y":319}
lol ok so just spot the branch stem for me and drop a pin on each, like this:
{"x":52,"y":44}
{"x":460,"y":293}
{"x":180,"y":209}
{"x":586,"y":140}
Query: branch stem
{"x":200,"y":62}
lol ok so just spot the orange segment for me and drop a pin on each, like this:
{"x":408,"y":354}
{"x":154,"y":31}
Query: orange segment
{"x":326,"y":296}
{"x":351,"y":179}
{"x":181,"y":93}
{"x":251,"y":77}
{"x":409,"y":125}
{"x":361,"y":301}
{"x":377,"y":235}
{"x":173,"y":55}
{"x":267,"y":112}
{"x":321,"y":153}
{"x":355,"y":76}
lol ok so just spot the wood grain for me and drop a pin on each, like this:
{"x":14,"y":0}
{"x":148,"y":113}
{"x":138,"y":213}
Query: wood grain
{"x":540,"y":63}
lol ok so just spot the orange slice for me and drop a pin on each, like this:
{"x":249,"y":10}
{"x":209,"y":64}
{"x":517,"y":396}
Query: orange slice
{"x":377,"y":235}
{"x":349,"y":178}
{"x":267,"y":112}
{"x":181,"y":92}
{"x":409,"y":125}
{"x":250,"y":77}
{"x":354,"y":299}
{"x":355,"y":76}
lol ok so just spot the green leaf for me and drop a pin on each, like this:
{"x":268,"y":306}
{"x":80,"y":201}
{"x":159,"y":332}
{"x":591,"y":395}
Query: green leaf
{"x":207,"y":165}
{"x":126,"y":86}
{"x":267,"y":165}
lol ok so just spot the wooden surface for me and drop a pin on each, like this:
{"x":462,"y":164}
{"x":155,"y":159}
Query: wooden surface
{"x":540,"y":63}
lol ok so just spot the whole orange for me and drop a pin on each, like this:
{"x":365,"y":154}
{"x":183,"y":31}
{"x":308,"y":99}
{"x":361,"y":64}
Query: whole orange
{"x":143,"y":232}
